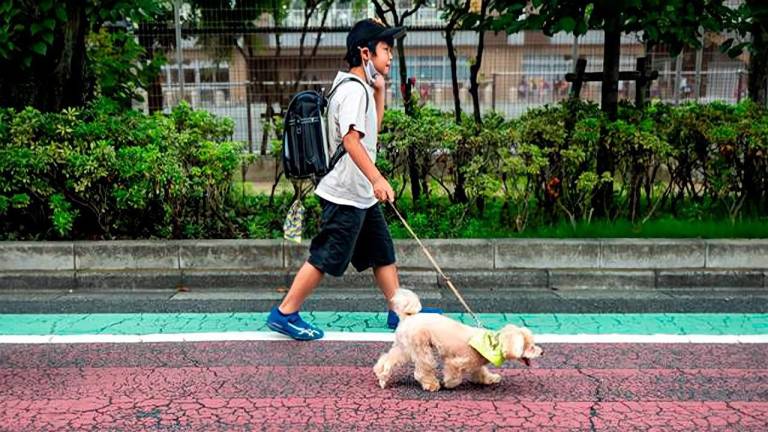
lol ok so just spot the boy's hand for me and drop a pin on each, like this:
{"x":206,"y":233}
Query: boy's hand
{"x":383,"y":191}
{"x":379,"y":84}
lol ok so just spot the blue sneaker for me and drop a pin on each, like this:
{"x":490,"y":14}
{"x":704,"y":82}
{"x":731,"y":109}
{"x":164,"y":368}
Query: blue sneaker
{"x":393,"y":320}
{"x":292,"y":325}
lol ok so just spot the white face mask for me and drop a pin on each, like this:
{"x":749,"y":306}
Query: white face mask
{"x":370,"y":72}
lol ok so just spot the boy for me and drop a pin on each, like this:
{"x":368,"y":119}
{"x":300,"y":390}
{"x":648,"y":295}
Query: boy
{"x":353,"y":228}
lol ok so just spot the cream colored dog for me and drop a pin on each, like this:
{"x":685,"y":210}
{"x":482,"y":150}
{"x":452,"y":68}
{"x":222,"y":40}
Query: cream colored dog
{"x":418,"y":336}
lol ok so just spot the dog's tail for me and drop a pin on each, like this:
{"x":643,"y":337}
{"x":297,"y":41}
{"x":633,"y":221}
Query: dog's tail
{"x":405,"y":303}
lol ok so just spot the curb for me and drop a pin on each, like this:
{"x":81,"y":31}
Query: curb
{"x":519,"y":263}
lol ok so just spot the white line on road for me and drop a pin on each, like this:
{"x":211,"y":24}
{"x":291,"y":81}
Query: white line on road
{"x":368,"y":337}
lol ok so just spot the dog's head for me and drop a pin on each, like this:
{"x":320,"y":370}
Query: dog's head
{"x":405,"y":303}
{"x":517,"y":344}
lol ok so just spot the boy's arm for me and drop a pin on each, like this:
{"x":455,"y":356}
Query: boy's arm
{"x":381,"y":188}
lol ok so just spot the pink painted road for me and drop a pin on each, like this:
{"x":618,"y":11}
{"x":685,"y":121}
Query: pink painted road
{"x":275,"y":385}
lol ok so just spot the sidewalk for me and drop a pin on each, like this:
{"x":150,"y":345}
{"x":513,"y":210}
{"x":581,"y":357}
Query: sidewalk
{"x":508,"y":300}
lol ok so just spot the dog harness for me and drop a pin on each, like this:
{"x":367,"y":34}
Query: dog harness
{"x":487,"y":343}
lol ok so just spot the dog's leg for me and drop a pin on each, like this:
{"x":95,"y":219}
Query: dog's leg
{"x":424,"y":361}
{"x":453,"y":373}
{"x":388,"y":363}
{"x":483,"y":376}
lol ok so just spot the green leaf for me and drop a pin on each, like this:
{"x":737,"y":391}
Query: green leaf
{"x":49,"y":23}
{"x":35,"y":28}
{"x":581,"y":28}
{"x":61,"y":13}
{"x":40,"y":48}
{"x":48,"y":37}
{"x":567,"y":24}
{"x":652,"y":32}
{"x":46,"y":5}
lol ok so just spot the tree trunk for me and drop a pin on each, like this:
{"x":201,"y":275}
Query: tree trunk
{"x":758,"y":60}
{"x":58,"y":79}
{"x":459,"y":193}
{"x":405,"y":87}
{"x":147,"y":40}
{"x":611,"y":57}
{"x":474,"y":70}
{"x":155,"y":95}
{"x":603,"y":199}
{"x":454,"y":73}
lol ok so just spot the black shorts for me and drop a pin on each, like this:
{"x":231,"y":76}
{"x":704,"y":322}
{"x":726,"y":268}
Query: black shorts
{"x":349,"y":234}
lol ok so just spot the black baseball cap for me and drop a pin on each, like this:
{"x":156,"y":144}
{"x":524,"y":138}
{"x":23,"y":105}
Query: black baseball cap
{"x":369,"y":30}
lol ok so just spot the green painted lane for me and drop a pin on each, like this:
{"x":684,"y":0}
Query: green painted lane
{"x":562,"y":324}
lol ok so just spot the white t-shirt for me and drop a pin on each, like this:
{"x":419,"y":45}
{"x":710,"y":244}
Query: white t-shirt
{"x":346,"y":184}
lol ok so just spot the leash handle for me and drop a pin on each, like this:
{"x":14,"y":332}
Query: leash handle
{"x":437,"y":267}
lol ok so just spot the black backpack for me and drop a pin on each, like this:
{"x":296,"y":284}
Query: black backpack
{"x":305,"y":136}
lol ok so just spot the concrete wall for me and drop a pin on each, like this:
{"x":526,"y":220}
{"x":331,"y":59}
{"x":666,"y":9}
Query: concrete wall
{"x":509,"y":263}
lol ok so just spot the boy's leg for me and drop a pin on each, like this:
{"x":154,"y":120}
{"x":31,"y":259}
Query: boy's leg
{"x":303,"y":284}
{"x":374,"y":248}
{"x":387,"y":280}
{"x":330,"y":252}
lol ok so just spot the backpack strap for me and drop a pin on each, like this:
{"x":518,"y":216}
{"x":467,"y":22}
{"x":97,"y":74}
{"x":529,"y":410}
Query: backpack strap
{"x":340,"y":150}
{"x":333,"y":90}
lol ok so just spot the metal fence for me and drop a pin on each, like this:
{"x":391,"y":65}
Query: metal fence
{"x":248,"y":74}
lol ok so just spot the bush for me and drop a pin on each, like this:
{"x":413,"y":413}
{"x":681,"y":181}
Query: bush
{"x":102,"y":173}
{"x":543,"y":166}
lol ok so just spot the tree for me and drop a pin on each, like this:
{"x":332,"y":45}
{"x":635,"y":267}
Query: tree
{"x":750,"y":22}
{"x":387,"y":12}
{"x":43,"y":48}
{"x":454,"y":13}
{"x":676,"y":23}
{"x":480,"y":22}
{"x":758,"y":61}
{"x":265,"y":79}
{"x":154,"y":38}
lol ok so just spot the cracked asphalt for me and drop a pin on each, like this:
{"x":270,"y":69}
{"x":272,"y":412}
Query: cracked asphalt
{"x":330,"y":386}
{"x":284,"y":385}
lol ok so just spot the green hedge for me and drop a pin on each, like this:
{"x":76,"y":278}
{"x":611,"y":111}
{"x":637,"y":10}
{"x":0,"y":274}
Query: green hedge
{"x":101,"y":173}
{"x":686,"y":161}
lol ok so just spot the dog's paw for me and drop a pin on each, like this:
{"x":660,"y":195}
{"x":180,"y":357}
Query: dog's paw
{"x":430,"y":386}
{"x":492,"y":378}
{"x":382,"y":383}
{"x":452,"y":383}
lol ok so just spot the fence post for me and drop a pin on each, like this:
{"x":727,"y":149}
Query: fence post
{"x":738,"y":86}
{"x":575,"y":52}
{"x":643,"y":83}
{"x":699,"y":58}
{"x":578,"y":78}
{"x":493,"y":91}
{"x":248,"y":92}
{"x":179,"y":55}
{"x":678,"y":77}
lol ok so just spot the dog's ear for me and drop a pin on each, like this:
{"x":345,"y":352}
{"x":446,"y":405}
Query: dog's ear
{"x":531,"y":350}
{"x":405,"y":303}
{"x":513,"y":342}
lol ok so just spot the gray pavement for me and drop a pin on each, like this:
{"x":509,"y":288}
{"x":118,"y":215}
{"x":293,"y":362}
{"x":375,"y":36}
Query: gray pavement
{"x":617,"y":300}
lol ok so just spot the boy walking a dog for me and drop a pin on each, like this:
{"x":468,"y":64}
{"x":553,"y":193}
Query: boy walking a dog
{"x":353,"y":228}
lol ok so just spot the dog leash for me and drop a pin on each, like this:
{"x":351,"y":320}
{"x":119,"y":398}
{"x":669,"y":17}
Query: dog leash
{"x":437,"y":267}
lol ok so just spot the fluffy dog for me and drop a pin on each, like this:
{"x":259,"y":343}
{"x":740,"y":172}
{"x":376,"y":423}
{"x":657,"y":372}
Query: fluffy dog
{"x":419,"y":336}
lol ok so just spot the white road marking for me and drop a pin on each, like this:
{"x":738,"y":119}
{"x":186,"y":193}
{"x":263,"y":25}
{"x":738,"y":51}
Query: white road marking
{"x":369,"y":337}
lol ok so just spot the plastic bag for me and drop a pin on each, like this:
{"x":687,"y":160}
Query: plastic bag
{"x":294,"y":222}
